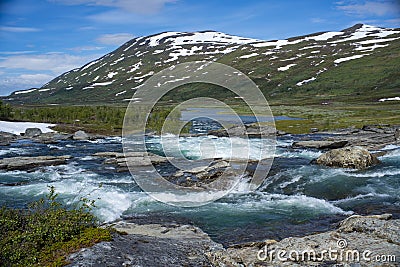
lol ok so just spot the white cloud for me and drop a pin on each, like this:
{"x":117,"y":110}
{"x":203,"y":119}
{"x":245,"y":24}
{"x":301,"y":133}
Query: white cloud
{"x":24,"y":71}
{"x":9,"y":84}
{"x":37,"y":79}
{"x":86,"y":48}
{"x":115,"y":39}
{"x":57,"y":63}
{"x":318,"y":20}
{"x":18,"y":29}
{"x":365,"y":8}
{"x":16,"y":52}
{"x":394,"y":21}
{"x":131,"y":6}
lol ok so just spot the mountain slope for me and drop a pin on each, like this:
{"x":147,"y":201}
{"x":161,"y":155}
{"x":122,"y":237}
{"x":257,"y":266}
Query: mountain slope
{"x":362,"y":61}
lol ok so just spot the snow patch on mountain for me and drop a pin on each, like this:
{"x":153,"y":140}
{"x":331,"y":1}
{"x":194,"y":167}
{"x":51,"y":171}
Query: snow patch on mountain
{"x":324,"y":36}
{"x":102,"y":83}
{"x":120,"y":93}
{"x":135,"y":67}
{"x":25,"y":91}
{"x":111,"y":74}
{"x":185,"y":38}
{"x":286,"y":67}
{"x":340,"y":60}
{"x":249,"y":56}
{"x":306,"y":81}
{"x":397,"y":98}
{"x":367,"y":31}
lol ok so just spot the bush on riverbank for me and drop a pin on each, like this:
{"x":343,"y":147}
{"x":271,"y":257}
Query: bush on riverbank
{"x":46,"y":232}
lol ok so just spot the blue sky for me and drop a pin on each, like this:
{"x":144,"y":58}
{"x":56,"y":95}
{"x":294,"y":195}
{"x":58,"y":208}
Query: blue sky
{"x":40,"y":39}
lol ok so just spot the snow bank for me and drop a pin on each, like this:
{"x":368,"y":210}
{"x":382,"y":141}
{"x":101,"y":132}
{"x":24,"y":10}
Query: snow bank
{"x":20,"y":127}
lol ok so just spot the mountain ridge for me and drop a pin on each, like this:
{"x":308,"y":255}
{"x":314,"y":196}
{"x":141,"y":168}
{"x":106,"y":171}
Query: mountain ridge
{"x":349,"y":62}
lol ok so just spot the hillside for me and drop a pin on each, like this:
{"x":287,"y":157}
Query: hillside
{"x":360,"y":63}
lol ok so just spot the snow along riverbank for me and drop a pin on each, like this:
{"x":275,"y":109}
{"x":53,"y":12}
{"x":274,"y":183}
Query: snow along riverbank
{"x":20,"y":127}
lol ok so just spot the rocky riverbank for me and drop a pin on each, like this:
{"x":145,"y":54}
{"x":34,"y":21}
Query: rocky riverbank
{"x":364,"y":239}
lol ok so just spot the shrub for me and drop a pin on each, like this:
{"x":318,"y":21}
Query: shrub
{"x":46,"y":232}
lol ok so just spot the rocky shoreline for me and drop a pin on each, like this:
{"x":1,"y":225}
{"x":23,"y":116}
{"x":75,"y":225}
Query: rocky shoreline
{"x":362,"y":238}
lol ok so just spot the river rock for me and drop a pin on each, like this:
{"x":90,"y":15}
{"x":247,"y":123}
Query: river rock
{"x":370,"y":137}
{"x":32,"y":132}
{"x":29,"y":163}
{"x":251,"y":130}
{"x":319,"y":144}
{"x":167,"y":244}
{"x":377,"y":234}
{"x":348,"y":157}
{"x":80,"y":135}
{"x":378,"y":128}
{"x":133,"y":159}
{"x":7,"y":138}
{"x":202,"y":173}
{"x":52,"y":138}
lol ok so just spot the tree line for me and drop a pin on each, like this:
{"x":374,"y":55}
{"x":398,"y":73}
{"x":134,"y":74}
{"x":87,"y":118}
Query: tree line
{"x":99,"y":117}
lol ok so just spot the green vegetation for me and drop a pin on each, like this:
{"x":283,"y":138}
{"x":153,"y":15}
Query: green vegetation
{"x":336,"y":115}
{"x":94,"y":119}
{"x":46,"y":232}
{"x":5,"y":111}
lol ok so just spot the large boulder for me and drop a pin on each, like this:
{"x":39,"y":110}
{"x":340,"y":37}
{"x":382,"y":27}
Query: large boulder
{"x":32,"y":132}
{"x":80,"y":135}
{"x":348,"y":157}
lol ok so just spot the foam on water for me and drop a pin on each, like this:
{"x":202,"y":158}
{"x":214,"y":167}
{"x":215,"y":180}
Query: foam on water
{"x":205,"y":147}
{"x":392,"y":154}
{"x":14,"y":150}
{"x":360,"y":196}
{"x":87,"y":158}
{"x":306,"y":153}
{"x":264,"y":202}
{"x":376,"y":173}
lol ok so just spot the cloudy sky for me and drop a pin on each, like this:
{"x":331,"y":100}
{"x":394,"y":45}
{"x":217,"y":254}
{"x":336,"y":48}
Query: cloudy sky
{"x":40,"y":39}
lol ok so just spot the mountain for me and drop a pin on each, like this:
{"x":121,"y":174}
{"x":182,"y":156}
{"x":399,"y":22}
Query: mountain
{"x":359,"y":62}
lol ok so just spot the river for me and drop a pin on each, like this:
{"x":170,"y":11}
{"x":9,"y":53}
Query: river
{"x":297,"y":198}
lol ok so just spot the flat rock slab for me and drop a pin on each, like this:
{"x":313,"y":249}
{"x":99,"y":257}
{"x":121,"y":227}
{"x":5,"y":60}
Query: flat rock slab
{"x":320,"y":144}
{"x":253,"y":131}
{"x":149,"y":245}
{"x":28,"y":163}
{"x":131,"y":159}
{"x":7,"y":138}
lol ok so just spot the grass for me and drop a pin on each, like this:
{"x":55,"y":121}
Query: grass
{"x":336,"y":115}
